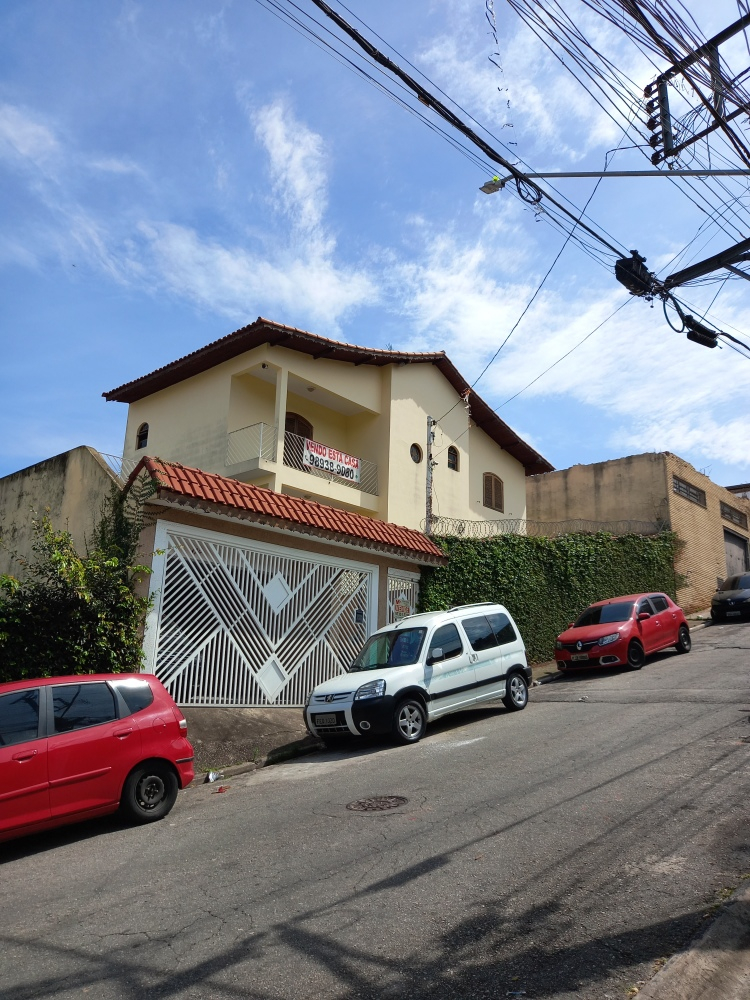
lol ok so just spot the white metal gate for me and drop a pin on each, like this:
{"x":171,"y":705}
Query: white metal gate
{"x":244,"y":623}
{"x":403,"y":594}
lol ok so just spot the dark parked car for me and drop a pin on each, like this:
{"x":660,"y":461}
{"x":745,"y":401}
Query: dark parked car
{"x":72,"y":748}
{"x":732,"y":600}
{"x":622,"y":632}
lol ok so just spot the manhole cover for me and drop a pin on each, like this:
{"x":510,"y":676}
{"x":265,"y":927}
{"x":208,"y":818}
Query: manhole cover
{"x":378,"y":803}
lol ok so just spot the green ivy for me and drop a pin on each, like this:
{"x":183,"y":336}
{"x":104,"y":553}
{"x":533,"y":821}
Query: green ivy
{"x":546,"y":582}
{"x":74,"y":614}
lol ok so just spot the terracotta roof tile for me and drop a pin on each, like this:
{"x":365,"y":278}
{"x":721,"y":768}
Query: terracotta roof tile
{"x":198,"y":485}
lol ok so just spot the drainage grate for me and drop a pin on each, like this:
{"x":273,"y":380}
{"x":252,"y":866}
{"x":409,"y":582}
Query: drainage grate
{"x":379,"y":803}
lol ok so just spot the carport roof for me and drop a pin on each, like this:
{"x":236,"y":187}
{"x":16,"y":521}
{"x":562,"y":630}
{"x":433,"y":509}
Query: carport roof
{"x":207,"y":491}
{"x":264,"y":331}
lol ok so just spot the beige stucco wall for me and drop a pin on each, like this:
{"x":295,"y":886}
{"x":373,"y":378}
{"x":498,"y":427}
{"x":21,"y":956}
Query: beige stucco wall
{"x":371,"y":412}
{"x":71,"y":486}
{"x":640,"y":488}
{"x":188,"y":422}
{"x":702,"y":561}
{"x":486,"y":456}
{"x":631,"y":488}
{"x":419,"y":391}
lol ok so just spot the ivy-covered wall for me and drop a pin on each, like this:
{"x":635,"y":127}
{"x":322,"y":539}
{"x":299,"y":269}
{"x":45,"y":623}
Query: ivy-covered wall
{"x":546,"y":582}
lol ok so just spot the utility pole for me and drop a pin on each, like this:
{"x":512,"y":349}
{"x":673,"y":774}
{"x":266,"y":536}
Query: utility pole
{"x":428,"y":504}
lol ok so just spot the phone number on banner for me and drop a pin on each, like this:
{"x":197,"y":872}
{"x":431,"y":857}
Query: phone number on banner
{"x":335,"y":468}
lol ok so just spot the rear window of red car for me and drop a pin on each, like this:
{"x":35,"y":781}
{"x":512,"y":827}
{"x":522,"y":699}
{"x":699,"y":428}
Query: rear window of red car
{"x":136,"y":693}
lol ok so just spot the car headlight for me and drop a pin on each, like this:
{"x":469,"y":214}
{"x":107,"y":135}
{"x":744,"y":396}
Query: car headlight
{"x":308,"y":699}
{"x":558,"y":644}
{"x":373,"y":689}
{"x":609,"y":638}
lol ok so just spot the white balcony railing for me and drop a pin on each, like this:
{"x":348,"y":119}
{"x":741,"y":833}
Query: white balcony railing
{"x":259,"y":441}
{"x":250,"y":443}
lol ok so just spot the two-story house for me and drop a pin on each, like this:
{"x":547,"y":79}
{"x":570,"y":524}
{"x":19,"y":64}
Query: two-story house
{"x":290,"y":480}
{"x":319,"y":419}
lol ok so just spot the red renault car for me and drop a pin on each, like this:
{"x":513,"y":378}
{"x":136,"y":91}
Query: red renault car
{"x":622,"y":631}
{"x":72,"y":748}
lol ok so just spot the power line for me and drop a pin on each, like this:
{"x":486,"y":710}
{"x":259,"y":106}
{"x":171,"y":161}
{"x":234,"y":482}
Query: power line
{"x":567,"y":353}
{"x":526,"y":188}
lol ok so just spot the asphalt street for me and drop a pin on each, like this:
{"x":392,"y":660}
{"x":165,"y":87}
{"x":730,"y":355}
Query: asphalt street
{"x":563,"y":851}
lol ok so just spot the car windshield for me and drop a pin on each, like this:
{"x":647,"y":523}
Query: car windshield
{"x":390,"y":649}
{"x":736,"y":582}
{"x":602,"y":614}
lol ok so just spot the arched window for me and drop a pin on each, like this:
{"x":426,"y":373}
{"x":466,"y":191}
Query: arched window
{"x":493,"y":492}
{"x":296,"y":424}
{"x":453,"y":458}
{"x":296,"y":430}
{"x":141,"y":437}
{"x":416,"y":454}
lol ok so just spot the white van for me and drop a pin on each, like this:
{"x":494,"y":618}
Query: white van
{"x":420,"y":668}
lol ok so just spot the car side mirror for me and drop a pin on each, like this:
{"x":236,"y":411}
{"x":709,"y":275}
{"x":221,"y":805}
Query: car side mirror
{"x":571,"y":624}
{"x":435,"y":656}
{"x":643,"y":615}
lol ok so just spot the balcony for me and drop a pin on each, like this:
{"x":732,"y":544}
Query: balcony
{"x":254,"y":449}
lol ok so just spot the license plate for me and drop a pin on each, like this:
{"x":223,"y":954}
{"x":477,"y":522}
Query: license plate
{"x":580,"y":656}
{"x":324,"y":720}
{"x":733,"y":613}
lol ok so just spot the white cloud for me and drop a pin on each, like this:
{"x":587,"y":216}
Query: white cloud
{"x":23,"y":137}
{"x":297,"y":277}
{"x":239,"y":283}
{"x":115,"y":165}
{"x":297,"y":165}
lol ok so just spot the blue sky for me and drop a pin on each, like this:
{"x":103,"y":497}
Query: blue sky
{"x":171,"y":171}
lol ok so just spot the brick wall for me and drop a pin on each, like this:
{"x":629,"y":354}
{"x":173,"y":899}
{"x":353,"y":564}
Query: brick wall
{"x":701,"y":528}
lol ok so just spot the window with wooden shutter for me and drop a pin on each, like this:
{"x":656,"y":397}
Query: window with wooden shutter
{"x":493,"y":492}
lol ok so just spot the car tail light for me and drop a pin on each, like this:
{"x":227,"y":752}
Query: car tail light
{"x":181,"y":721}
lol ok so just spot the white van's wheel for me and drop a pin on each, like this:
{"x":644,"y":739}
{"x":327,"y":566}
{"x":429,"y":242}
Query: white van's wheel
{"x":409,"y":721}
{"x":516,"y":693}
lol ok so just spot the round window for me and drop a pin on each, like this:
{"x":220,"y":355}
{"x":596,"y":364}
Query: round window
{"x":416,"y":453}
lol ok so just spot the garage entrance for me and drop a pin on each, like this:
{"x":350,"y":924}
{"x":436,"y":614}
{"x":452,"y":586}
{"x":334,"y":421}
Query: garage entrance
{"x":736,"y":551}
{"x":243,"y":623}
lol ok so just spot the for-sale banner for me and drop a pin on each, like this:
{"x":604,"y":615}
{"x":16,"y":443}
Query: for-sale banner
{"x":320,"y":456}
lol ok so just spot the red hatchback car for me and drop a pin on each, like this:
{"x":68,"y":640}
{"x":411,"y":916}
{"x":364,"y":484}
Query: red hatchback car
{"x":622,"y":631}
{"x":72,"y":748}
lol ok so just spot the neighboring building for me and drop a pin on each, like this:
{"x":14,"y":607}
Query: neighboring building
{"x":257,"y":596}
{"x":71,"y":487}
{"x":266,"y":403}
{"x":665,"y":490}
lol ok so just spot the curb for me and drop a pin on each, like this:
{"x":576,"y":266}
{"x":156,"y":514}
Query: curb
{"x":298,"y":749}
{"x":717,"y":964}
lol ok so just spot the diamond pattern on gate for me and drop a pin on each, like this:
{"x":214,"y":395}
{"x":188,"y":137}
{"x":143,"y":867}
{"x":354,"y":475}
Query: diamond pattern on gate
{"x":247,"y":627}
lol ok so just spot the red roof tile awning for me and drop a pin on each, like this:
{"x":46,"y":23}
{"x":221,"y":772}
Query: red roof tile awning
{"x":184,"y":486}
